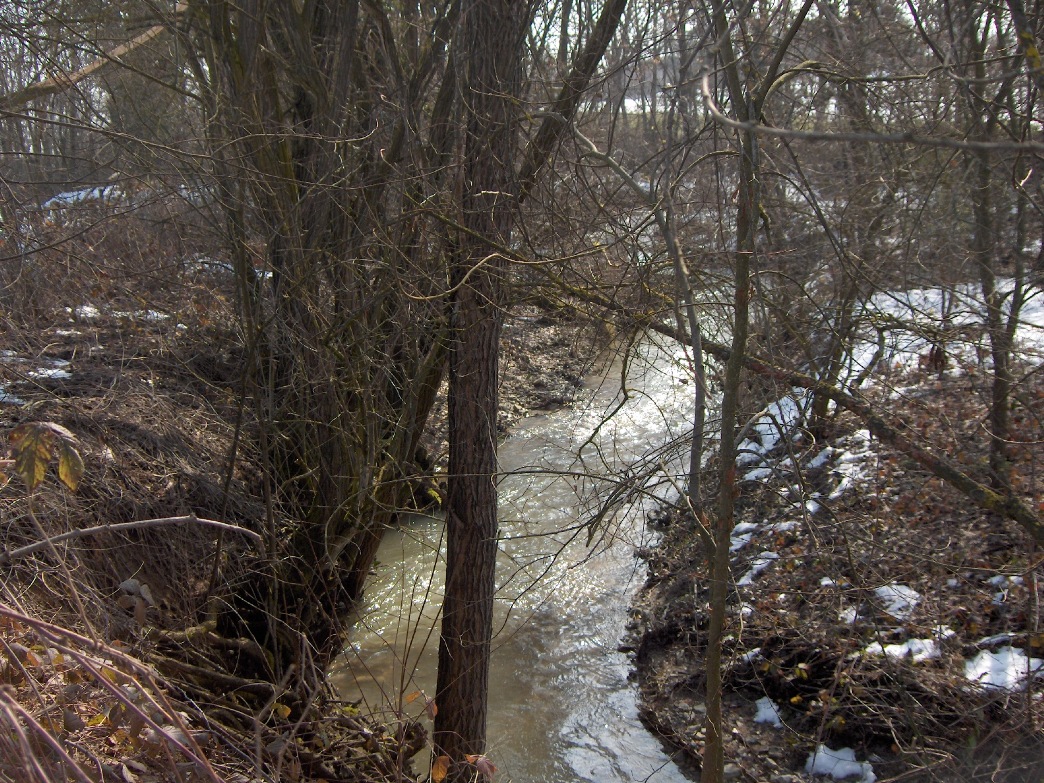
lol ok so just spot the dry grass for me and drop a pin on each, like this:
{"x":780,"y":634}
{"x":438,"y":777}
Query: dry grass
{"x":109,"y":667}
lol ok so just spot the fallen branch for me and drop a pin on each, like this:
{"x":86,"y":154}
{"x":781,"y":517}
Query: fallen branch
{"x":1002,"y":503}
{"x":7,"y":557}
{"x":19,"y":99}
{"x":214,"y":679}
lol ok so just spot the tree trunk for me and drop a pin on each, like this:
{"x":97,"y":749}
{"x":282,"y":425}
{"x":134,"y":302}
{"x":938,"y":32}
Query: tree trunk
{"x":488,"y":53}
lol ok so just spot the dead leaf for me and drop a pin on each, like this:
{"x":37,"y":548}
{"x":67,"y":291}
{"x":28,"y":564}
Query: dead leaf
{"x":439,"y":769}
{"x":430,"y":709}
{"x":486,"y":768}
{"x":32,"y":445}
{"x":70,"y":465}
{"x":139,"y":611}
{"x":71,"y":721}
{"x":98,"y":720}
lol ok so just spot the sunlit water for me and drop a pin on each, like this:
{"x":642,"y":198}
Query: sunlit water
{"x":561,"y":707}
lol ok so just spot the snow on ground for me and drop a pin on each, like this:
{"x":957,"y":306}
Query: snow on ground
{"x":761,"y":562}
{"x":848,"y":615}
{"x":742,"y":533}
{"x":776,"y":422}
{"x":1007,"y":669}
{"x":55,"y":369}
{"x":898,"y":600}
{"x":849,"y":463}
{"x":839,"y":764}
{"x":767,"y":712}
{"x":7,"y":398}
{"x":916,"y":650}
{"x":958,"y":309}
{"x":84,"y":312}
{"x":84,"y":196}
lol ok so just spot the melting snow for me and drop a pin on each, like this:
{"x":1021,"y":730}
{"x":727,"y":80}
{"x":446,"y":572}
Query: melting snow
{"x":899,"y":600}
{"x":742,"y":533}
{"x":761,"y":562}
{"x":822,"y":458}
{"x":1003,"y":581}
{"x":85,"y":312}
{"x":751,"y":655}
{"x":757,"y":474}
{"x":1006,"y":669}
{"x":916,"y":649}
{"x":73,"y":197}
{"x":740,"y":541}
{"x":7,"y":398}
{"x":839,"y":764}
{"x":768,"y":712}
{"x":848,"y":615}
{"x":56,"y":370}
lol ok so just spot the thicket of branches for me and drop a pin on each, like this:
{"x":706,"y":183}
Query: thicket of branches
{"x":754,"y":170}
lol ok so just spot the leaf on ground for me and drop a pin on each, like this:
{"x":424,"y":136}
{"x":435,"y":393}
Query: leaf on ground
{"x":99,"y":720}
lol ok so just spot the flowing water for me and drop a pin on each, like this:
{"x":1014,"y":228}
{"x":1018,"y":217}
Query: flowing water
{"x":561,"y":706}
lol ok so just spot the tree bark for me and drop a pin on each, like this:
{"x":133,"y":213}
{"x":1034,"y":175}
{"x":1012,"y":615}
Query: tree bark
{"x":489,"y":54}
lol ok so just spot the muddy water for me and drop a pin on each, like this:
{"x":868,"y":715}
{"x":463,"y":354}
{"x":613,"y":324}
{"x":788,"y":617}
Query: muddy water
{"x":561,"y":706}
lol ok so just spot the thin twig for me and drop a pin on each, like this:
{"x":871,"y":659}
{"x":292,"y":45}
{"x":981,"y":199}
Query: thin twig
{"x":7,"y":557}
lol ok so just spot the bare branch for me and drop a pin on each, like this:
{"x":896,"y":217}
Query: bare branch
{"x":906,"y":137}
{"x":62,"y":82}
{"x":140,"y":524}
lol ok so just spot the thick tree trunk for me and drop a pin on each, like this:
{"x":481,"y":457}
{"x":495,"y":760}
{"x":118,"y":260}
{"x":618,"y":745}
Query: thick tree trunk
{"x":489,"y":54}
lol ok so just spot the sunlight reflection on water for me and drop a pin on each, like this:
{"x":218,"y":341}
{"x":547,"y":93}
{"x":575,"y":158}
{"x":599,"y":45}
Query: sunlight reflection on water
{"x":561,"y":707}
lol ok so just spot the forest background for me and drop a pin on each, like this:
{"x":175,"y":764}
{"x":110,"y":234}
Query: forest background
{"x":311,"y":219}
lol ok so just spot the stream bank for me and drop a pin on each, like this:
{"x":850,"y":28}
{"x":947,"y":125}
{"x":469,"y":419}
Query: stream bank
{"x":152,"y":397}
{"x":561,"y":706}
{"x":875,"y":615}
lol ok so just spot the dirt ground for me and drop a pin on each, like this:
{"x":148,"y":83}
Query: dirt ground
{"x":842,"y":528}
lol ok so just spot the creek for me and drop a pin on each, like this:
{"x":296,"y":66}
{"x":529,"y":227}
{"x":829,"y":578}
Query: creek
{"x":561,"y":707}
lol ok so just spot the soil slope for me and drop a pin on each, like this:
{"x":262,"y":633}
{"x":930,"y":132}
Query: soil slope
{"x":865,"y":595}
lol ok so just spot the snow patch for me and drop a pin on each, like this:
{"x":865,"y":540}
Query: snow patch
{"x":84,"y":312}
{"x":767,"y":712}
{"x":750,"y":656}
{"x":757,"y":474}
{"x":898,"y":600}
{"x":1007,"y":669}
{"x":916,"y":650}
{"x":7,"y":398}
{"x":839,"y":764}
{"x":849,"y":615}
{"x":761,"y":562}
{"x":56,"y":370}
{"x":822,"y":458}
